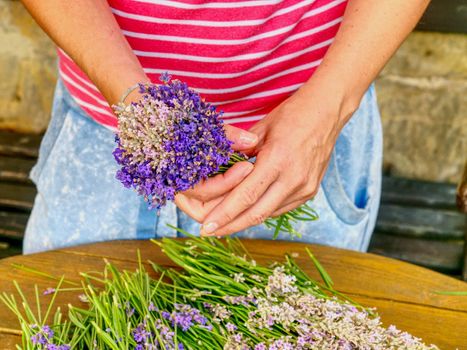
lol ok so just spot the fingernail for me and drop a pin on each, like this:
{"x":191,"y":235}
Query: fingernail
{"x":247,"y":138}
{"x":209,"y":228}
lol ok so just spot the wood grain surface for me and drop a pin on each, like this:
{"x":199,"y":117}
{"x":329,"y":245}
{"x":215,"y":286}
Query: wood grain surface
{"x":404,"y":294}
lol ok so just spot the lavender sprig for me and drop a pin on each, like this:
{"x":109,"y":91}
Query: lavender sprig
{"x":172,"y":139}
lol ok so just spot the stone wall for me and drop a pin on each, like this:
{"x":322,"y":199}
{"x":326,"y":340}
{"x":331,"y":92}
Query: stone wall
{"x":422,"y":94}
{"x":27,"y":70}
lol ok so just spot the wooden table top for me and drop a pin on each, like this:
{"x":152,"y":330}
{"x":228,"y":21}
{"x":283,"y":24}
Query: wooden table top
{"x":403,"y":294}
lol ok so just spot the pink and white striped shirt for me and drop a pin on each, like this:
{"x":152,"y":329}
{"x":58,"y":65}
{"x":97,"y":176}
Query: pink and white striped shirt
{"x":244,"y":56}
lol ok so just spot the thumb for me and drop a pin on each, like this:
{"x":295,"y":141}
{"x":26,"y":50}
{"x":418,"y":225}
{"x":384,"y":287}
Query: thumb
{"x":242,"y":139}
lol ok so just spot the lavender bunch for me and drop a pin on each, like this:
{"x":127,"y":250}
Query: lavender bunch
{"x":310,"y":322}
{"x":168,"y":141}
{"x":238,"y":305}
{"x":278,"y":307}
{"x":171,"y":140}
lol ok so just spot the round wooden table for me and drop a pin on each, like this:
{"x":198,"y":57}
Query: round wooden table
{"x":403,"y":294}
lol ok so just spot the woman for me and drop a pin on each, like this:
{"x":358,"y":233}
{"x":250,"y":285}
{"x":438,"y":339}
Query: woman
{"x":293,"y":78}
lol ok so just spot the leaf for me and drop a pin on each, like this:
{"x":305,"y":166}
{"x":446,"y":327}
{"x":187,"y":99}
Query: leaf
{"x":324,"y":275}
{"x":456,"y":293}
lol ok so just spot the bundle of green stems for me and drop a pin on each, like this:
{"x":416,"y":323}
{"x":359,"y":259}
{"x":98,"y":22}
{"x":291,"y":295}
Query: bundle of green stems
{"x":217,"y":297}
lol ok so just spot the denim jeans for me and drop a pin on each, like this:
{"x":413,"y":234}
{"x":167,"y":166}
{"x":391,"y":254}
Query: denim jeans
{"x":80,"y":201}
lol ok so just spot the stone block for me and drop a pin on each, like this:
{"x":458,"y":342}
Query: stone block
{"x":426,"y":54}
{"x":425,"y":127}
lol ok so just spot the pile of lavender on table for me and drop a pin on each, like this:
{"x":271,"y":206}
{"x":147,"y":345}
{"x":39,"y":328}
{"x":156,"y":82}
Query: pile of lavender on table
{"x":217,"y":298}
{"x":172,"y":139}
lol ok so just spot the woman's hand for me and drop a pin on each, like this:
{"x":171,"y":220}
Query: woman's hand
{"x":292,"y":144}
{"x":199,"y":201}
{"x":295,"y":143}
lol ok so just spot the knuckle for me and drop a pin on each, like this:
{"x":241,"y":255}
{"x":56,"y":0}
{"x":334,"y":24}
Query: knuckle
{"x":314,"y":191}
{"x":276,"y":170}
{"x":227,"y":217}
{"x":192,"y":193}
{"x":257,"y":218}
{"x":203,"y":196}
{"x":300,"y":202}
{"x":249,"y":197}
{"x":311,"y":192}
{"x":302,"y":181}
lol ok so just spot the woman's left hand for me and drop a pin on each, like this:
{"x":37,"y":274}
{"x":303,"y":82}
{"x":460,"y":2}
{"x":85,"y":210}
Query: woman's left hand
{"x":295,"y":143}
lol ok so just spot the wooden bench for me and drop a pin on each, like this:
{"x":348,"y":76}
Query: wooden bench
{"x":418,"y":221}
{"x":18,"y":154}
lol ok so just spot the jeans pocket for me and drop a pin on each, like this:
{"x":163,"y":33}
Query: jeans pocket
{"x":339,"y":201}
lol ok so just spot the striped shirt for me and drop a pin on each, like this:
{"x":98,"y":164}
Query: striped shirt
{"x":245,"y":57}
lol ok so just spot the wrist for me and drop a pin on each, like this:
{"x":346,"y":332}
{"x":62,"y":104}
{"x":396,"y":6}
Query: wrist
{"x":337,"y":100}
{"x":127,"y":88}
{"x":115,"y":82}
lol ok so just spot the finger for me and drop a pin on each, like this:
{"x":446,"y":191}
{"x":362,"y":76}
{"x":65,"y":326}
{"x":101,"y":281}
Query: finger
{"x":272,"y":199}
{"x":195,"y":209}
{"x":301,"y":197}
{"x":192,"y":208}
{"x":242,"y":197}
{"x":242,"y":139}
{"x":295,"y":202}
{"x":288,"y":207}
{"x":220,"y":184}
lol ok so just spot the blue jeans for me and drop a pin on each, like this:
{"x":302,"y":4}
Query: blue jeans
{"x":80,"y":201}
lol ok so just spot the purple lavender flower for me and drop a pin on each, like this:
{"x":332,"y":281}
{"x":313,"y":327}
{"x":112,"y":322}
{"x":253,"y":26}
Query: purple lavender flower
{"x":185,"y":316}
{"x":208,"y":327}
{"x":49,"y":333}
{"x":207,"y":306}
{"x":38,"y":338}
{"x":49,"y":291}
{"x":169,"y":141}
{"x":165,"y":77}
{"x":57,"y":347}
{"x":164,"y":338}
{"x":129,"y":310}
{"x":43,"y":336}
{"x":238,"y":337}
{"x":152,"y":307}
{"x":141,"y":334}
{"x":231,"y":327}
